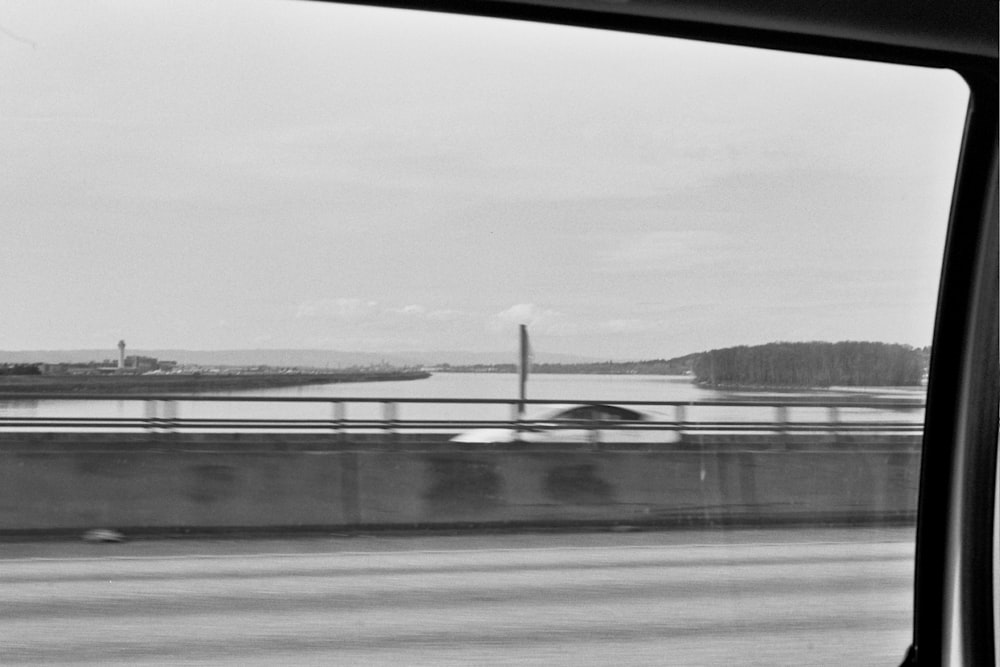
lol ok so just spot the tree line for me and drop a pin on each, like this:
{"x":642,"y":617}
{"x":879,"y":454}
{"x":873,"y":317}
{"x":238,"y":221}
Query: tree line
{"x":813,"y":364}
{"x":20,"y":369}
{"x":678,"y":366}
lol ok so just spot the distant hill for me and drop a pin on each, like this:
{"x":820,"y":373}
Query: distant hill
{"x":279,"y":358}
{"x":810,"y":364}
{"x":434,"y":358}
{"x":676,"y":366}
{"x":188,"y":382}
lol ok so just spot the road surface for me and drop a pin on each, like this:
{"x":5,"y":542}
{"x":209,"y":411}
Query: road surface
{"x":792,"y":597}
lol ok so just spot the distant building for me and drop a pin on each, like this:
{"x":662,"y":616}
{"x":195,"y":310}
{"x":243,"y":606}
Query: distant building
{"x":139,"y":364}
{"x":133,"y":364}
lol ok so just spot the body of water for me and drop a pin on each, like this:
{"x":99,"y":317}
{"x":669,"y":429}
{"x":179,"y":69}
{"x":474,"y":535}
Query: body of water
{"x":559,"y":389}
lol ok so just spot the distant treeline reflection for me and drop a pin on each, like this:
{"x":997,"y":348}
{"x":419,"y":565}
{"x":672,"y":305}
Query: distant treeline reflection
{"x":677,"y":366}
{"x":815,"y":364}
{"x":773,"y":365}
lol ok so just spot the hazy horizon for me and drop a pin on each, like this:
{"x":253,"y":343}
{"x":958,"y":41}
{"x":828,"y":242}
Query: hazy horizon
{"x":316,"y":356}
{"x":374,"y":180}
{"x":285,"y":356}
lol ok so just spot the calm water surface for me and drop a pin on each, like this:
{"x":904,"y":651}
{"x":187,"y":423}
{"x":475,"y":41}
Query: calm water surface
{"x":492,"y":386}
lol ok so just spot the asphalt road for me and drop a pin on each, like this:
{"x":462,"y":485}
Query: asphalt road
{"x":788,"y":597}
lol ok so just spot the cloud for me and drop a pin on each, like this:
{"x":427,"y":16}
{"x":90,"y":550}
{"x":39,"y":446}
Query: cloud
{"x":414,"y":309}
{"x":629,"y":326}
{"x":540,"y":320}
{"x":363,"y":311}
{"x":344,"y":309}
{"x":667,"y":250}
{"x":525,"y":313}
{"x":445,"y":315}
{"x":417,"y":311}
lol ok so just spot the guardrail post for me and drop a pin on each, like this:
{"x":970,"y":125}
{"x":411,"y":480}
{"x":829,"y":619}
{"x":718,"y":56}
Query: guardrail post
{"x":169,"y":421}
{"x":680,"y":417}
{"x":389,"y":417}
{"x":781,"y":419}
{"x":339,"y":413}
{"x":151,"y":421}
{"x":833,"y":416}
{"x":516,"y":416}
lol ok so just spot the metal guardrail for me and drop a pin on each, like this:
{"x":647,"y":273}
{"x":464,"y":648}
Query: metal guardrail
{"x":161,"y":415}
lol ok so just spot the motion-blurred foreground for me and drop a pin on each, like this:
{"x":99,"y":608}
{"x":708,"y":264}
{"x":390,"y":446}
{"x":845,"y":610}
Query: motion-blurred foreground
{"x":802,"y":597}
{"x":725,"y":594}
{"x":843,"y":463}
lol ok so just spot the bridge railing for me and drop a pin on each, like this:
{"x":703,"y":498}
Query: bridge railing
{"x":167,"y":413}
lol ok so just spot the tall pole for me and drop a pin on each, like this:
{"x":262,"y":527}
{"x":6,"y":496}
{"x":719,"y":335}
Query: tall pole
{"x":524,"y":361}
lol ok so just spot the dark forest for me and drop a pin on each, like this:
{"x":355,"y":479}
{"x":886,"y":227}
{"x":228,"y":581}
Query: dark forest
{"x":814,"y":364}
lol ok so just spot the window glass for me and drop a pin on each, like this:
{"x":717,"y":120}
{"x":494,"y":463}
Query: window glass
{"x":731,"y":253}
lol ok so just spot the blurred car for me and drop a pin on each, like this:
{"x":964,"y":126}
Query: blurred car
{"x":580,"y":423}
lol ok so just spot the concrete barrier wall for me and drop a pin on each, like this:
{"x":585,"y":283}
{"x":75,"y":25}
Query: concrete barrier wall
{"x":157,"y":483}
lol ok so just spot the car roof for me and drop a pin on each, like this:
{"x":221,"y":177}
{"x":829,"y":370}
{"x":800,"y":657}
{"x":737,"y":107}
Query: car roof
{"x":554,"y":411}
{"x":926,"y":32}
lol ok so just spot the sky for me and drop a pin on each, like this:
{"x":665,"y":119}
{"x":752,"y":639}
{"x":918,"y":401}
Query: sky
{"x":286,"y":174}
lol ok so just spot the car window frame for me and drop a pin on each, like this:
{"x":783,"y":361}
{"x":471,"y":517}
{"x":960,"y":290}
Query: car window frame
{"x":953,"y":611}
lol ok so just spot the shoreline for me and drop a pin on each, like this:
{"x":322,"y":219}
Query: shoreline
{"x":187,"y":383}
{"x":763,"y":388}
